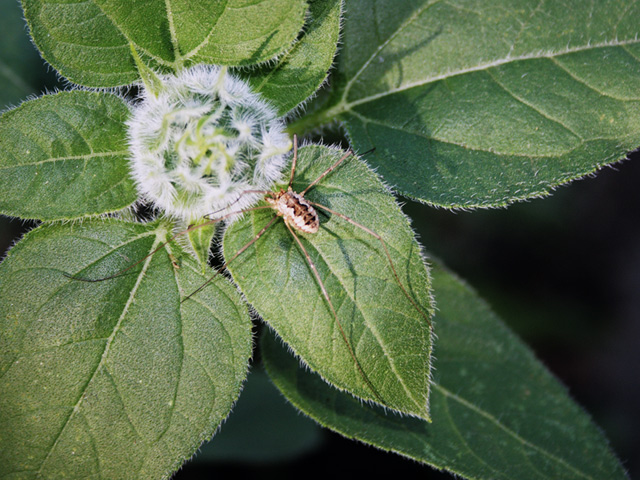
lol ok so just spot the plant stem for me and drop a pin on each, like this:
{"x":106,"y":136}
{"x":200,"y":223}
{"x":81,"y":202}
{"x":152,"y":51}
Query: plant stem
{"x":316,"y":119}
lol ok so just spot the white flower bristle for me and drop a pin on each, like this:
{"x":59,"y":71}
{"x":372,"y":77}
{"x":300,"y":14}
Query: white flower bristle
{"x":203,"y":142}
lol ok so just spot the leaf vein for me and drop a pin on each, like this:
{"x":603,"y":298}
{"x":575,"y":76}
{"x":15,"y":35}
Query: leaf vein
{"x":36,"y":312}
{"x":381,"y":47}
{"x":125,"y":45}
{"x":346,"y":106}
{"x":55,"y":347}
{"x":101,"y":363}
{"x":626,"y":49}
{"x":507,"y":430}
{"x":367,"y":121}
{"x":622,"y":16}
{"x":371,"y":327}
{"x":172,"y":32}
{"x":84,"y":158}
{"x":582,"y":81}
{"x":180,"y":338}
{"x":94,"y":445}
{"x":530,"y":105}
{"x":523,"y":27}
{"x":458,"y":433}
{"x":109,"y":376}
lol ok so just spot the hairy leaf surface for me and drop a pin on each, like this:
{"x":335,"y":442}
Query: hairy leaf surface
{"x":65,"y":156}
{"x":496,"y":412}
{"x":481,"y":103}
{"x":387,"y":328}
{"x":88,"y":42}
{"x":117,"y":378}
{"x":302,"y":70}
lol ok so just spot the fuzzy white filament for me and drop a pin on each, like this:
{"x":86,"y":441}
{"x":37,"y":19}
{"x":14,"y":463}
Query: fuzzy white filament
{"x":203,"y":142}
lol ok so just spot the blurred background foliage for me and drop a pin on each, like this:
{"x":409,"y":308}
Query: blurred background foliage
{"x":563,"y":272}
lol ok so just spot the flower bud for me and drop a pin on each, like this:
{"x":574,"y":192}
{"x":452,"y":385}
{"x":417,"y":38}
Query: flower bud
{"x":202,"y":142}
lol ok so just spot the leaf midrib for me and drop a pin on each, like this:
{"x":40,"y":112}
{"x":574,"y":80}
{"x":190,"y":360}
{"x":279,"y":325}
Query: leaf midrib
{"x":207,"y":39}
{"x":105,"y":353}
{"x":344,"y":105}
{"x":467,"y":404}
{"x":368,"y":324}
{"x":321,"y":298}
{"x":85,"y":157}
{"x":366,"y":121}
{"x":450,"y":395}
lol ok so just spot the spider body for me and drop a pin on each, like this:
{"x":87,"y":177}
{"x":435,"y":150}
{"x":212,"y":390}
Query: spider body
{"x":295,"y":210}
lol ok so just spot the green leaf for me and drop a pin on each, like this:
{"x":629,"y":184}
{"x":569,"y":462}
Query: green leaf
{"x":65,"y":156}
{"x":251,"y":32}
{"x":481,"y":103}
{"x":497,"y":412}
{"x":303,"y":69}
{"x":114,"y":378}
{"x":88,"y":42}
{"x":200,"y":236}
{"x":379,"y":348}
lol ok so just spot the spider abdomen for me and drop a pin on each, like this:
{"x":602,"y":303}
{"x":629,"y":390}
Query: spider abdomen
{"x":296,"y":211}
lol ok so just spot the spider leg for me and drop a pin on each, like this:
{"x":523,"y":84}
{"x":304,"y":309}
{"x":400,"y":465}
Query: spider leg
{"x":386,"y":251}
{"x":208,"y":215}
{"x":334,"y":314}
{"x":294,"y":161}
{"x":327,"y":171}
{"x":236,"y":255}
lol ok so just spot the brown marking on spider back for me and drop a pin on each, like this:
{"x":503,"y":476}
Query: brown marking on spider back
{"x":295,"y":210}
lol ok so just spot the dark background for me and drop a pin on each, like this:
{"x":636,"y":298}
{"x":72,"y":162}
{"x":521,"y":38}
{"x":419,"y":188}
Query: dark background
{"x":563,"y":272}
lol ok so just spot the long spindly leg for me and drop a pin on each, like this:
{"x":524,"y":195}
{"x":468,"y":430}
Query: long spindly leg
{"x":163,"y":244}
{"x":335,"y":315}
{"x":244,"y":192}
{"x":386,"y":251}
{"x":295,"y":159}
{"x":235,"y":255}
{"x":327,"y":172}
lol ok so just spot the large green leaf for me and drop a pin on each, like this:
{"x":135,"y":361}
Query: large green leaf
{"x":115,"y":378}
{"x":483,"y":102}
{"x":303,"y":69}
{"x":65,"y":156}
{"x":497,"y":412}
{"x":88,"y":42}
{"x":383,"y":351}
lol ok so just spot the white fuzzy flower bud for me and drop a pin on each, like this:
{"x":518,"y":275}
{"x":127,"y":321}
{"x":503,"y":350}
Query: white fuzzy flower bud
{"x":204,"y":141}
